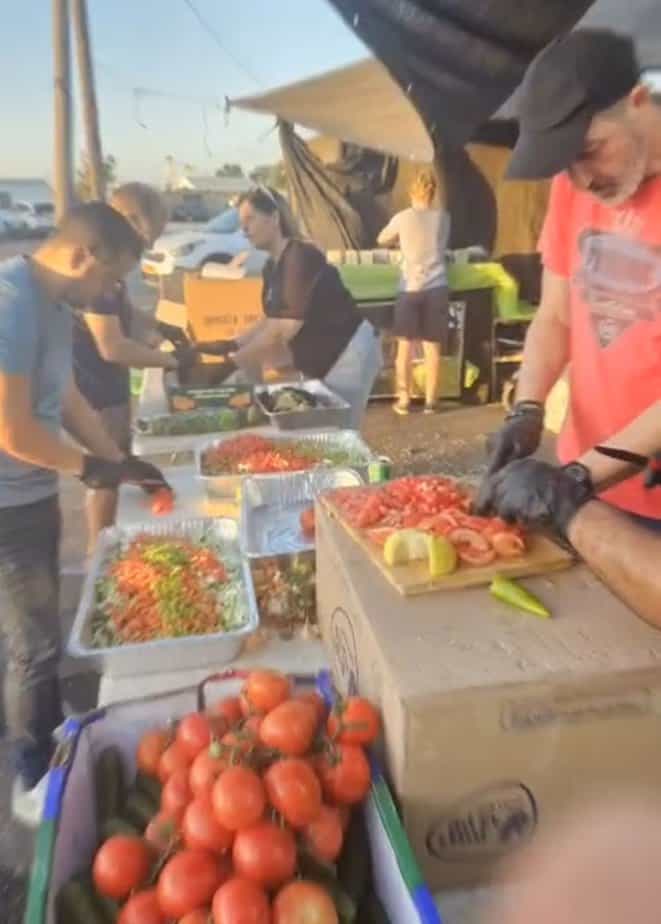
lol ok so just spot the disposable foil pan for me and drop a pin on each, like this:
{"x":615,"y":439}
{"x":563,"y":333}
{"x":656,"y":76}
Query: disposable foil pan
{"x":335,"y":440}
{"x":193,"y":651}
{"x":271,"y":509}
{"x":332,"y":411}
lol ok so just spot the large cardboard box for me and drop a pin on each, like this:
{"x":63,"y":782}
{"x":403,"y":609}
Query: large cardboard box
{"x":495,"y":721}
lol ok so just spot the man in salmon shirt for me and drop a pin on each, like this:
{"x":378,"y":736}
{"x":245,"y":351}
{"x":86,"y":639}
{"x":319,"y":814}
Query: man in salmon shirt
{"x":586,"y":120}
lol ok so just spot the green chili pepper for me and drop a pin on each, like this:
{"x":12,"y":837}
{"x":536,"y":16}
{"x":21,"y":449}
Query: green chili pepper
{"x":515,"y":595}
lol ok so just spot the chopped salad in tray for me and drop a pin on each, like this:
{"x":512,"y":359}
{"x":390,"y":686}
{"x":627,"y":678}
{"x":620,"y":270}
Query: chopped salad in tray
{"x":158,"y":587}
{"x":254,"y":455}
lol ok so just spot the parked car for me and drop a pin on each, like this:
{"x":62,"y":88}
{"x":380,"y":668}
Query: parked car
{"x":38,"y":217}
{"x":219,"y":241}
{"x":12,"y":224}
{"x":191,"y":209}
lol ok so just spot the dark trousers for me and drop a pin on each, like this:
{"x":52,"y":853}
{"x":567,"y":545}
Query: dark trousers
{"x":30,"y":628}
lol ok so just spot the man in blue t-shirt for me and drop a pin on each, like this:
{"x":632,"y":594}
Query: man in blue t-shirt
{"x":90,"y":251}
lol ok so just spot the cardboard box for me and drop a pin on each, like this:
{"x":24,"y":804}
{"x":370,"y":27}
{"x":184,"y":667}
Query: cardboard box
{"x":495,"y":721}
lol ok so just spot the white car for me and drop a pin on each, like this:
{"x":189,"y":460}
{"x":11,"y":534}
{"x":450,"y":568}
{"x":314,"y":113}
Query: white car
{"x":38,"y":217}
{"x":219,"y":241}
{"x":12,"y":224}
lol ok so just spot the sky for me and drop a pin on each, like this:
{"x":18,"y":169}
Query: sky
{"x":159,"y":45}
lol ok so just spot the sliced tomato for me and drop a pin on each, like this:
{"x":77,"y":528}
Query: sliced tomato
{"x":379,"y":535}
{"x":472,"y":547}
{"x":508,"y":544}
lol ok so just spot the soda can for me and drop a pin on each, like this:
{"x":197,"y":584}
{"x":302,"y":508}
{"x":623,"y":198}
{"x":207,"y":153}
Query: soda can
{"x":379,"y":470}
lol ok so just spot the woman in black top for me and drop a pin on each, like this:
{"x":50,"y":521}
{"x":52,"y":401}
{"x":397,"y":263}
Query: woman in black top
{"x":309,"y":315}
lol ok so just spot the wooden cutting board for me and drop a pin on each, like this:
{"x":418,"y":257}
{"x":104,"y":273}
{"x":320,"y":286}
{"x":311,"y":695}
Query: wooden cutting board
{"x":542,"y":556}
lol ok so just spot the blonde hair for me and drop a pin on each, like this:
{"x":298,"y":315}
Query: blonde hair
{"x":142,"y":206}
{"x":424,"y":186}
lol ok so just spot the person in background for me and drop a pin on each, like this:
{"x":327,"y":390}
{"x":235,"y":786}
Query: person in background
{"x":587,"y":120}
{"x":105,"y":349}
{"x":421,"y":311}
{"x":309,"y":316}
{"x":88,"y":253}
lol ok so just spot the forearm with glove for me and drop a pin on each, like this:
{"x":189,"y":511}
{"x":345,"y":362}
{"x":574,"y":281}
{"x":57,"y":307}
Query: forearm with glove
{"x":98,"y":473}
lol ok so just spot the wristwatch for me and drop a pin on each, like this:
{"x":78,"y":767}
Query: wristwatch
{"x":582,"y":476}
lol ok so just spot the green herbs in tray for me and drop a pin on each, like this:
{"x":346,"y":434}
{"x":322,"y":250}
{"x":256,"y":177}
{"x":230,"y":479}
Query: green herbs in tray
{"x":192,"y":423}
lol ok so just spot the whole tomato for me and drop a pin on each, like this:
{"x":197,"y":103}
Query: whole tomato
{"x":121,"y":865}
{"x":264,"y":690}
{"x":240,"y":901}
{"x":304,"y":902}
{"x":188,"y":881}
{"x":176,"y":794}
{"x":324,"y":836}
{"x":199,"y":916}
{"x":238,"y":798}
{"x":265,"y":854}
{"x":242,"y":739}
{"x":314,"y":699}
{"x":293,"y":789}
{"x":354,"y":721}
{"x":194,"y":734}
{"x":142,"y":908}
{"x":201,"y":830}
{"x":162,"y":502}
{"x":228,"y":709}
{"x":162,"y":832}
{"x":150,"y":749}
{"x":173,"y":758}
{"x":345,"y":774}
{"x":289,"y":728}
{"x":206,"y":768}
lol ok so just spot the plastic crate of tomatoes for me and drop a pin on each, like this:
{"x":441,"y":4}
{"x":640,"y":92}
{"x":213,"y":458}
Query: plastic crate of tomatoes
{"x":251,"y":797}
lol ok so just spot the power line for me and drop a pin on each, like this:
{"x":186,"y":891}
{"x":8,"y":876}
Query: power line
{"x":209,"y":29}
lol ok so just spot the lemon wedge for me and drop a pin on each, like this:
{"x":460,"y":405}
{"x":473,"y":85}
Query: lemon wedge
{"x":408,"y":545}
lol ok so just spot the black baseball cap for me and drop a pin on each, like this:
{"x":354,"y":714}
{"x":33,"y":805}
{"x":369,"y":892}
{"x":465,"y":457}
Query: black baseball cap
{"x":571,"y":80}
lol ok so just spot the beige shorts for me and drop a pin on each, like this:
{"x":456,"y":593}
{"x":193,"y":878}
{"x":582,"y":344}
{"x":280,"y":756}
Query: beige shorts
{"x":117,"y":422}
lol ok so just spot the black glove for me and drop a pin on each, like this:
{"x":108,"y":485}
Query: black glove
{"x":174,"y":334}
{"x":144,"y":474}
{"x":536,"y":494}
{"x":218,"y":347}
{"x":186,"y":357}
{"x":102,"y":473}
{"x":519,"y":436}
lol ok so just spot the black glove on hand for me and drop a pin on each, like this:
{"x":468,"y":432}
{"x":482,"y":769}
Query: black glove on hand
{"x":519,"y":436}
{"x":144,"y":475}
{"x":536,"y":494}
{"x":218,"y":347}
{"x":186,"y":357}
{"x":174,"y":334}
{"x":101,"y":473}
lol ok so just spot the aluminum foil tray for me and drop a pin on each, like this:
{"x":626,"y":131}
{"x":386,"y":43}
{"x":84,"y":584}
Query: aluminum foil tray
{"x":270,"y":509}
{"x":230,"y":485}
{"x":165,"y":654}
{"x":332,"y":412}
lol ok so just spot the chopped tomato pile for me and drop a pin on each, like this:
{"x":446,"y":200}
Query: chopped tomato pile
{"x":239,"y":813}
{"x":255,"y":455}
{"x":433,"y":504}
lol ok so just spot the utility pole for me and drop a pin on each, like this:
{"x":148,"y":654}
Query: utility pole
{"x":88,"y":91}
{"x":63,"y":159}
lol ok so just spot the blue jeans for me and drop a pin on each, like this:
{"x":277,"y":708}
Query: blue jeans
{"x":353,"y":375}
{"x":30,"y":627}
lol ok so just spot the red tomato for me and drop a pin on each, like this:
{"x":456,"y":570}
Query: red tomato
{"x":294,"y":790}
{"x":345,"y":774}
{"x":344,"y":811}
{"x":508,"y":544}
{"x":472,"y":547}
{"x":194,"y":734}
{"x":265,"y":854}
{"x":142,"y":908}
{"x":228,"y":709}
{"x":121,"y":865}
{"x":304,"y":903}
{"x":238,"y":798}
{"x":163,"y":831}
{"x":150,"y":749}
{"x":176,"y":794}
{"x":243,"y":738}
{"x":264,"y":690}
{"x":324,"y":835}
{"x":314,"y":699}
{"x":201,"y":830}
{"x":289,"y":728}
{"x":240,"y":901}
{"x":354,"y":721}
{"x":199,"y":916}
{"x":173,"y":758}
{"x":205,"y":770}
{"x":162,"y":502}
{"x":308,"y":521}
{"x":188,"y":881}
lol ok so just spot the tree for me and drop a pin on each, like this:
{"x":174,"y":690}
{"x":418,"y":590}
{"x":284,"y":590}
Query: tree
{"x":84,"y":180}
{"x":273,"y":175}
{"x":233,"y":170}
